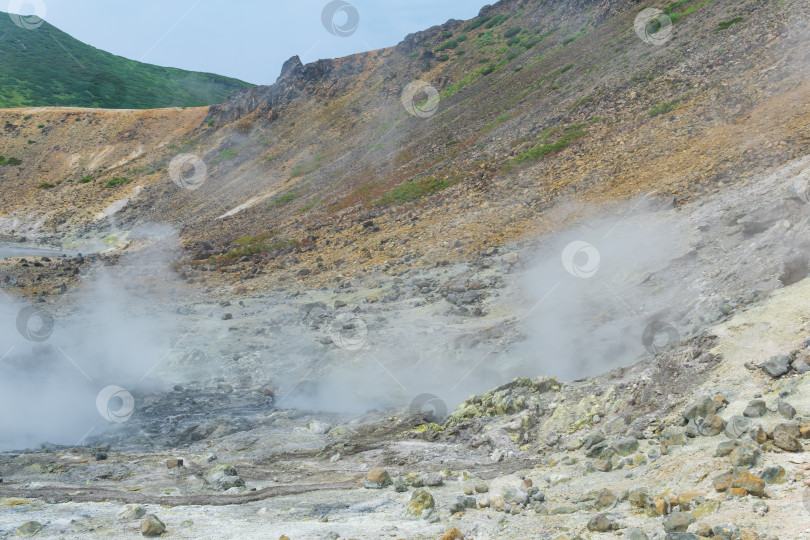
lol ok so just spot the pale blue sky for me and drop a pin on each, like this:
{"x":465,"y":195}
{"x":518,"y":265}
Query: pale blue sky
{"x":247,"y":39}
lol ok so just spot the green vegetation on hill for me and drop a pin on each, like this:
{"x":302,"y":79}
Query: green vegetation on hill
{"x":47,"y":67}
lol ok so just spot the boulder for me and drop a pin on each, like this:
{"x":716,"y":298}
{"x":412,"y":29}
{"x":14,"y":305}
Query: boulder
{"x":223,"y":477}
{"x":421,"y":505}
{"x":151,"y":526}
{"x":377,"y":479}
{"x":777,"y":366}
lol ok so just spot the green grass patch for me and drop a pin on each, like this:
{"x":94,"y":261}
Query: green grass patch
{"x":496,"y":21}
{"x":662,"y":108}
{"x":726,"y":24}
{"x":225,"y":155}
{"x":478,"y":22}
{"x":248,"y":246}
{"x":118,"y":180}
{"x":309,"y":167}
{"x":411,"y":191}
{"x":512,"y":32}
{"x":566,"y":138}
{"x":310,"y":205}
{"x":283,"y":199}
{"x":581,"y":102}
{"x":452,"y":44}
{"x":85,"y":180}
{"x":10,"y":162}
{"x":46,"y":185}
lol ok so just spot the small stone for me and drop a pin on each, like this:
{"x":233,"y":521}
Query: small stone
{"x":605,"y":499}
{"x":750,"y":483}
{"x":745,"y":455}
{"x":399,"y":485}
{"x":712,"y":425}
{"x":227,"y":317}
{"x":705,"y":509}
{"x":625,"y":446}
{"x":761,"y":508}
{"x":755,"y":409}
{"x":174,"y":463}
{"x":421,"y":504}
{"x":377,"y":479}
{"x":786,"y":442}
{"x":726,"y":530}
{"x":639,"y":497}
{"x":774,"y":475}
{"x":722,"y":482}
{"x":515,"y":496}
{"x":725,"y":448}
{"x":678,"y":522}
{"x":131,"y":512}
{"x":453,"y":534}
{"x":785,"y":409}
{"x":701,"y":408}
{"x":151,"y":526}
{"x":602,"y":523}
{"x":28,"y":529}
{"x":223,"y":477}
{"x":777,"y":366}
{"x":481,"y":487}
{"x":634,"y":533}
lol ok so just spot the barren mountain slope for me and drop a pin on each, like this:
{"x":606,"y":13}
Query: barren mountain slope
{"x":572,"y":104}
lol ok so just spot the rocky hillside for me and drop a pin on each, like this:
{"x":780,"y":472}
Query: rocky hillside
{"x":538,"y":103}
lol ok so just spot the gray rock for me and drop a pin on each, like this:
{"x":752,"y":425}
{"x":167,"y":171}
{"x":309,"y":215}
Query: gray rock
{"x":28,"y":529}
{"x":678,"y":521}
{"x":223,"y":477}
{"x":725,"y":448}
{"x":602,"y":523}
{"x":515,"y":496}
{"x":774,"y":474}
{"x":625,"y":446}
{"x":481,"y":487}
{"x":744,"y":455}
{"x":700,"y":408}
{"x":777,"y":366}
{"x":785,"y":409}
{"x":131,"y":512}
{"x":711,"y":425}
{"x":800,"y":366}
{"x":755,"y":409}
{"x":726,"y":530}
{"x":681,"y":536}
{"x":399,"y":485}
{"x":151,"y":526}
{"x":634,"y":533}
